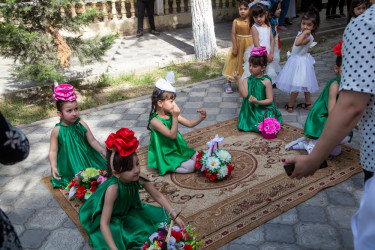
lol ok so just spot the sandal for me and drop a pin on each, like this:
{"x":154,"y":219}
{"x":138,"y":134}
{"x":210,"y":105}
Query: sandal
{"x":300,"y":141}
{"x":289,"y":108}
{"x":304,"y":106}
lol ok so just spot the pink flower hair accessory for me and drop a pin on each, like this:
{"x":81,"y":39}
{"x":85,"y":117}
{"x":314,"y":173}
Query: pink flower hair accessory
{"x":259,"y":51}
{"x":64,"y":92}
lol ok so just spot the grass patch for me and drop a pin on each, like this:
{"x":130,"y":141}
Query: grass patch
{"x":108,"y":89}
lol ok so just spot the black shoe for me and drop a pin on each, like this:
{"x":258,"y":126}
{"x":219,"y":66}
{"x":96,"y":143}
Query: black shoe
{"x":342,"y":15}
{"x":287,"y":22}
{"x":337,"y":16}
{"x":330,"y":17}
{"x":154,"y":32}
{"x":297,"y":16}
{"x":139,"y":33}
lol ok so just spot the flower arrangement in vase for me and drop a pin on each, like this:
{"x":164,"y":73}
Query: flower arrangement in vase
{"x":215,"y":163}
{"x":179,"y":239}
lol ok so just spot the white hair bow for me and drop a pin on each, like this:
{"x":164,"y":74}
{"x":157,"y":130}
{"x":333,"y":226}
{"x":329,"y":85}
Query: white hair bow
{"x":266,"y":3}
{"x":214,"y":143}
{"x":166,"y":84}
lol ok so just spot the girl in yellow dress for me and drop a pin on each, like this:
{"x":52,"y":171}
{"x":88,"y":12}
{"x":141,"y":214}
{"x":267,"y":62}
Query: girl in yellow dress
{"x":241,"y":39}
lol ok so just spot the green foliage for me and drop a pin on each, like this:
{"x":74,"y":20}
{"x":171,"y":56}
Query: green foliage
{"x":26,"y":36}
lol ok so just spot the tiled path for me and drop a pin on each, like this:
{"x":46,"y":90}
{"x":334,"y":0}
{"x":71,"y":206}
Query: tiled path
{"x":323,"y":222}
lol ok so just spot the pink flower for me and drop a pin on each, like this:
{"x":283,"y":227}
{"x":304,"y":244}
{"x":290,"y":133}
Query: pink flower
{"x":271,"y":126}
{"x":101,"y":179}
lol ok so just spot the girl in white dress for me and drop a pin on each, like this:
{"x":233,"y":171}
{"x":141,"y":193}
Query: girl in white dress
{"x":260,"y":29}
{"x":298,"y":74}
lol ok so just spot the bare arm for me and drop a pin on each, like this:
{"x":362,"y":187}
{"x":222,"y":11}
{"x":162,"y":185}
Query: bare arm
{"x":92,"y":141}
{"x":333,"y":92}
{"x":272,"y":41}
{"x":194,"y":122}
{"x":109,"y":200}
{"x":52,"y":155}
{"x":160,"y":198}
{"x":254,"y":33}
{"x":243,"y":88}
{"x":269,"y":94}
{"x":234,"y":39}
{"x":303,"y":38}
{"x":344,"y":116}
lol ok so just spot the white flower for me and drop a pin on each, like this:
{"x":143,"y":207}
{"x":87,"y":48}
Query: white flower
{"x":212,"y":163}
{"x":176,"y":228}
{"x":153,"y":237}
{"x":223,"y":155}
{"x":87,"y":194}
{"x":172,"y":242}
{"x":223,"y":172}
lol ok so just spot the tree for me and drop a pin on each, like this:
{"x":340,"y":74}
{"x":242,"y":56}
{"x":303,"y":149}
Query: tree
{"x":203,"y":29}
{"x":31,"y":33}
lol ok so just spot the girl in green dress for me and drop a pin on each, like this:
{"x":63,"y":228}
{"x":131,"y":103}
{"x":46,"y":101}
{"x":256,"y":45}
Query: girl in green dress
{"x":168,"y":151}
{"x":72,"y":145}
{"x":318,"y":114}
{"x":256,"y":92}
{"x":114,"y":216}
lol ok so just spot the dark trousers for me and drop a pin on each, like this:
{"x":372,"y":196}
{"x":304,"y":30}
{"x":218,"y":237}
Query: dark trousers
{"x":142,"y":6}
{"x":284,"y":11}
{"x":306,"y":4}
{"x":331,"y":7}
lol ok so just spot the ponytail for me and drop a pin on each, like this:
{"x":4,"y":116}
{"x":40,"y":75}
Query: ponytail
{"x":158,"y":95}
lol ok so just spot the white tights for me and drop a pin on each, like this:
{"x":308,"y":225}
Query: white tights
{"x":187,"y":166}
{"x":336,"y":151}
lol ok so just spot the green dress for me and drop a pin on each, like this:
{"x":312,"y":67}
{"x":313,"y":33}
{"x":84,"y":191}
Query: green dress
{"x":317,"y":118}
{"x":164,"y":153}
{"x":252,"y":114}
{"x":132,"y":221}
{"x":74,"y":153}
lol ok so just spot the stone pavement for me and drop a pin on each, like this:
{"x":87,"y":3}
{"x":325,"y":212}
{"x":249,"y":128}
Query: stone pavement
{"x":130,"y":54}
{"x":322,"y":222}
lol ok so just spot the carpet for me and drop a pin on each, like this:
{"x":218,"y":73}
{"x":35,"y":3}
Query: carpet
{"x":257,"y":191}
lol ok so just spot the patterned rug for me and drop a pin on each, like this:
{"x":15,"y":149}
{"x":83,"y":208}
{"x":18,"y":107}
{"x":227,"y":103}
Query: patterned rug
{"x":257,"y":191}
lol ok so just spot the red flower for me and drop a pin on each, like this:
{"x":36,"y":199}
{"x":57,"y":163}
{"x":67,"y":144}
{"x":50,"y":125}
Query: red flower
{"x":198,"y":163}
{"x":188,"y":247}
{"x":73,"y":184}
{"x":213,"y":177}
{"x":177,"y":235}
{"x":81,"y":190}
{"x":93,"y":189}
{"x":337,"y":49}
{"x":123,"y":141}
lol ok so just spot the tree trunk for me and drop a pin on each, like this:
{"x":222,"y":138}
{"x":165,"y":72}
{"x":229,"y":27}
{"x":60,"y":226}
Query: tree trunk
{"x":62,"y":47}
{"x":203,"y":29}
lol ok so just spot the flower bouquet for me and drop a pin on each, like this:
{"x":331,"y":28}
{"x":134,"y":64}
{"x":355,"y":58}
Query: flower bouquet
{"x":180,"y":239}
{"x":86,"y":182}
{"x":269,"y":127}
{"x":215,"y":163}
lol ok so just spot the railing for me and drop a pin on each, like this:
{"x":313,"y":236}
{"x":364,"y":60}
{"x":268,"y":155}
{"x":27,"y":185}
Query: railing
{"x":125,"y":9}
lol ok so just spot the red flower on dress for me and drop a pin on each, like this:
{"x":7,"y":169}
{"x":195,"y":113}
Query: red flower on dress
{"x":177,"y":235}
{"x":123,"y":141}
{"x":188,"y":247}
{"x":81,"y":190}
{"x":338,"y":48}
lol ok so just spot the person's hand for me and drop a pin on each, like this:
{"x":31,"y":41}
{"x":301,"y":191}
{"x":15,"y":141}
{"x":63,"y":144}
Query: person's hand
{"x":55,"y":174}
{"x":203,"y":113}
{"x":253,"y":100}
{"x":176,"y":111}
{"x":236,"y":75}
{"x":307,"y":32}
{"x":270,"y":58}
{"x":180,"y":223}
{"x":234,"y":51}
{"x":304,"y":166}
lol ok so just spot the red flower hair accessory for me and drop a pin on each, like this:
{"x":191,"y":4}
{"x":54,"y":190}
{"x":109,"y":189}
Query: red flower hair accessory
{"x":259,"y":51}
{"x":338,"y":48}
{"x":64,"y":92}
{"x":124,"y":142}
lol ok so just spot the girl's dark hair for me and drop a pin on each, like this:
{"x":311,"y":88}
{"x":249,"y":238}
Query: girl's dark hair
{"x":60,"y":104}
{"x":274,"y":4}
{"x":120,"y":164}
{"x":339,"y":61}
{"x":159,"y":95}
{"x":243,"y":2}
{"x":354,"y":4}
{"x":258,"y":60}
{"x":259,"y":9}
{"x":313,"y":15}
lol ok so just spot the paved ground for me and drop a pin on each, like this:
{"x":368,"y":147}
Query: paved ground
{"x":323,"y":222}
